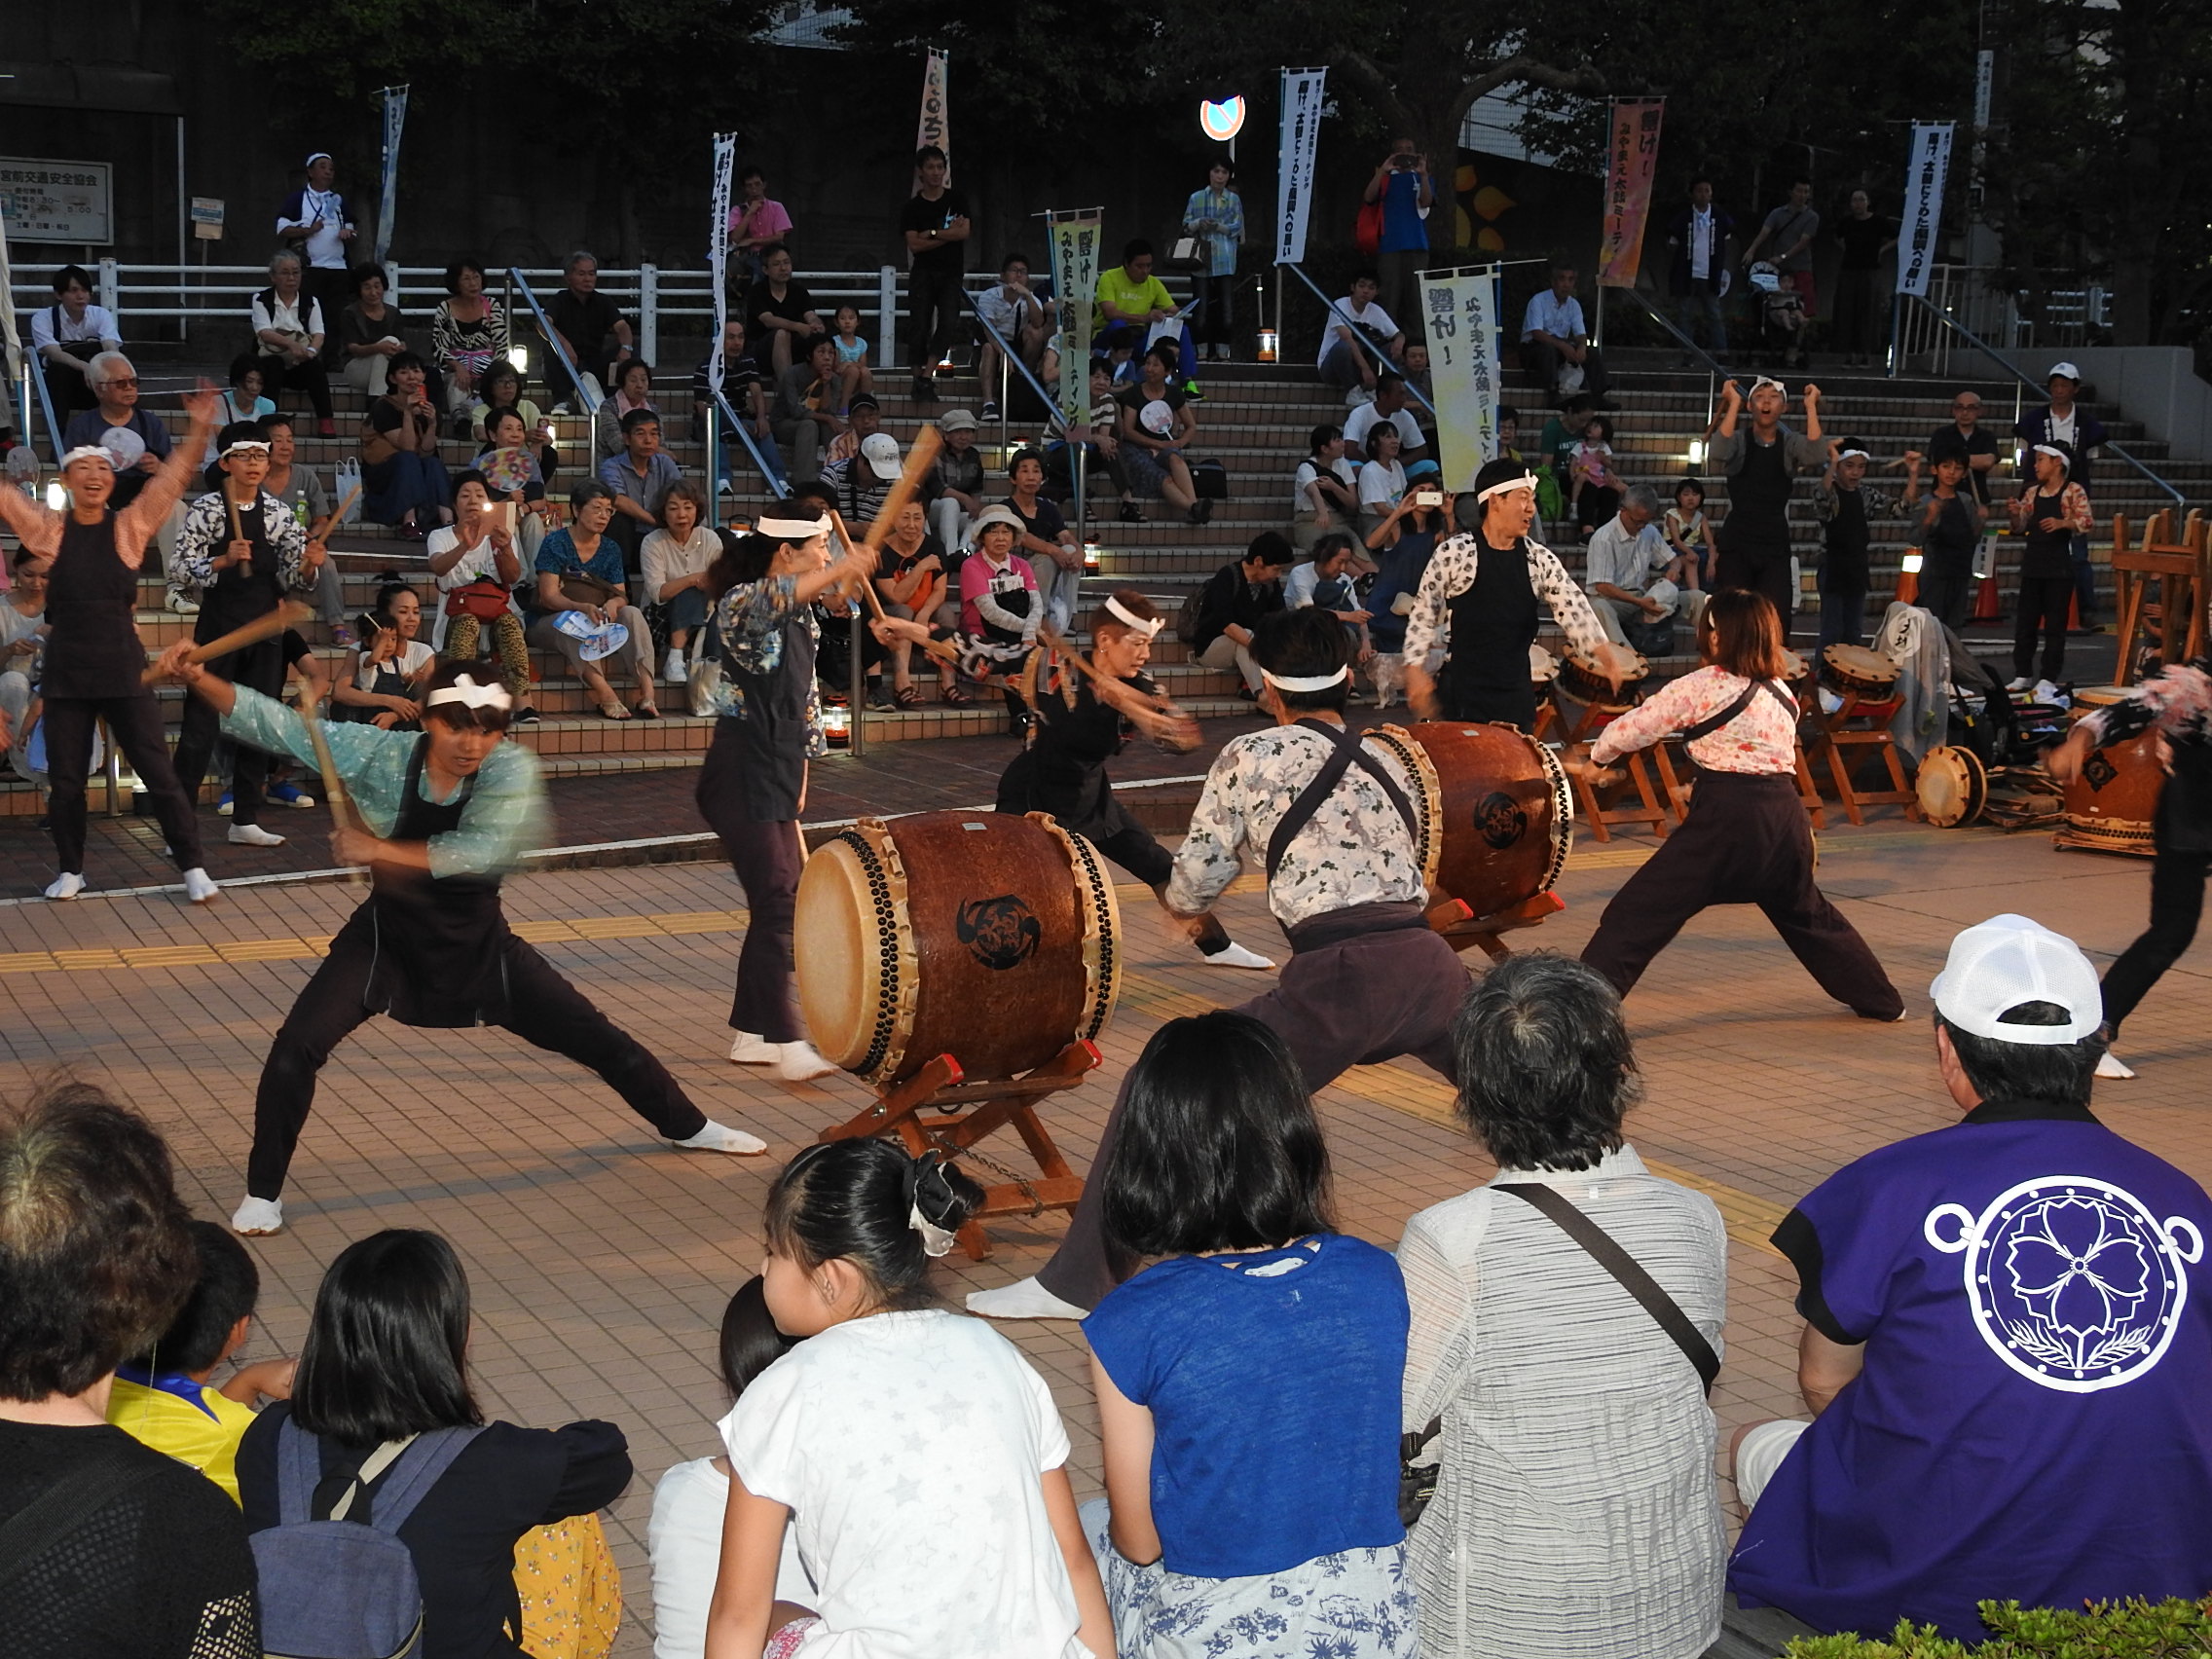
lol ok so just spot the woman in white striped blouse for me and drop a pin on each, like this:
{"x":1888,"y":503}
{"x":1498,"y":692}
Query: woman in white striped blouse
{"x":1576,"y":1515}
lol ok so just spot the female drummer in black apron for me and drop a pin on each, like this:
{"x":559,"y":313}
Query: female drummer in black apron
{"x":1747,"y":839}
{"x":446,"y":811}
{"x":2050,"y":512}
{"x":1080,"y":725}
{"x":754,"y":782}
{"x":1761,"y":462}
{"x":93,"y":656}
{"x":1481,"y":593}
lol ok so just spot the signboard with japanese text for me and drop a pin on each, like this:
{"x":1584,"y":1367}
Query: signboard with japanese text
{"x":1301,"y":127}
{"x":1075,"y":279}
{"x":1460,"y":309}
{"x":1632,"y":156}
{"x":57,"y":201}
{"x":1923,"y":178}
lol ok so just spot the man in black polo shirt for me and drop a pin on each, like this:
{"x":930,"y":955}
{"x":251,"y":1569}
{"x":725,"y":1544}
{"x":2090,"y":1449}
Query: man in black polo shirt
{"x":935,"y":224}
{"x":1233,"y":603}
{"x":1965,"y":437}
{"x":590,"y":325}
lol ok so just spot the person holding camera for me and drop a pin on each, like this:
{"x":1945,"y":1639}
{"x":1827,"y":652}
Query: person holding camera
{"x":1401,"y":184}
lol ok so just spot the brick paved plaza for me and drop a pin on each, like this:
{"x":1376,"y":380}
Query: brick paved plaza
{"x":600,"y":1261}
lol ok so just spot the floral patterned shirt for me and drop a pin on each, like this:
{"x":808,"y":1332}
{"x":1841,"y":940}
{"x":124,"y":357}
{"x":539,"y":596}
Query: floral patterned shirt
{"x":1355,"y":850}
{"x":750,"y":619}
{"x":1762,"y":739}
{"x":1451,"y":572}
{"x":2178,"y":702}
{"x":206,"y":533}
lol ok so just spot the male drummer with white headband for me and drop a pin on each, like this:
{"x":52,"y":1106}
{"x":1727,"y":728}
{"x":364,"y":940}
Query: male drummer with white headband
{"x":1334,"y":821}
{"x":447,"y":811}
{"x":1480,"y":593}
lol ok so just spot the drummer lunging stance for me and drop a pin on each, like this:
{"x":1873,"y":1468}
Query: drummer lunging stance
{"x":754,"y":782}
{"x":1366,"y":981}
{"x":2178,"y":703}
{"x":447,"y":811}
{"x":1480,"y":593}
{"x":94,"y":659}
{"x":1747,"y":839}
{"x":1063,"y":771}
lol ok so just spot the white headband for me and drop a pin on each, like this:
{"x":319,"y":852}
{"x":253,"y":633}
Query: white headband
{"x":2056,"y":454}
{"x":1527,"y":481}
{"x":1132,"y":620}
{"x":87,"y":452}
{"x":1306,"y":682}
{"x":260,"y":444}
{"x":1846,"y":454}
{"x":789,"y":527}
{"x":1764,"y":380}
{"x":471,"y":693}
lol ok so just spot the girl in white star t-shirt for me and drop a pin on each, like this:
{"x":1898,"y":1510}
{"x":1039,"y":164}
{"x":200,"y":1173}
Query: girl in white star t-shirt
{"x":920,"y":1460}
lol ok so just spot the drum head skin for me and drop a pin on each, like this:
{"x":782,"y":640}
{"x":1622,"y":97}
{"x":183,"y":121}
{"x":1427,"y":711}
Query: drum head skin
{"x":1498,"y":817}
{"x":1952,"y":787}
{"x":1856,"y":667}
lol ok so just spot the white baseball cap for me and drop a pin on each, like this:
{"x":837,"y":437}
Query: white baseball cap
{"x":2067,"y":369}
{"x":880,"y":450}
{"x":2010,"y":960}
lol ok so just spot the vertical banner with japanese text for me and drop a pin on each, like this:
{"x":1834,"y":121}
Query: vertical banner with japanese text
{"x":1075,"y":279}
{"x":936,"y":124}
{"x":388,"y":204}
{"x":1300,"y":127}
{"x":1461,"y":310}
{"x":1632,"y":156}
{"x":1923,"y":178}
{"x":717,"y":250}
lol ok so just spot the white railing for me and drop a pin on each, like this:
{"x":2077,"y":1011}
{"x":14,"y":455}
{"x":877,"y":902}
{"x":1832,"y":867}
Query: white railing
{"x":2071,"y":314}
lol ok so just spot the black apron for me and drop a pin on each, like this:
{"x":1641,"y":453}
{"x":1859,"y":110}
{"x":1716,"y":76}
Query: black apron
{"x":438,"y":943}
{"x":1845,"y":568}
{"x":1757,"y":526}
{"x":91,"y":601}
{"x":1063,"y":771}
{"x":1494,"y":623}
{"x":2048,"y":554}
{"x":1949,"y":544}
{"x":755,"y":767}
{"x":240,"y":594}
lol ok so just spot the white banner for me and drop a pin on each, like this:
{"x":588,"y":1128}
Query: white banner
{"x":717,"y":250}
{"x":1923,"y":177}
{"x":1075,"y":238}
{"x":936,"y":124}
{"x":1461,"y":312}
{"x":1300,"y":127}
{"x":388,"y":204}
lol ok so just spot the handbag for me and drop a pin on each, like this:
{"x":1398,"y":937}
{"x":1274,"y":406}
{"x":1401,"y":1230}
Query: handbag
{"x":483,"y":598}
{"x":703,"y":675}
{"x":587,"y":589}
{"x":1186,"y":253}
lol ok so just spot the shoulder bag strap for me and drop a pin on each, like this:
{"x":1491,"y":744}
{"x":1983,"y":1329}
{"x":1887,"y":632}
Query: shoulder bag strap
{"x":53,"y":1516}
{"x":426,"y":1457}
{"x":1349,"y":749}
{"x":373,"y":1465}
{"x":1714,"y":723}
{"x":1662,"y":1307}
{"x":299,"y":1467}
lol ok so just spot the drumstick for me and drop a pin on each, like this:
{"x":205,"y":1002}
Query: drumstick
{"x":1054,"y":638}
{"x":238,"y":533}
{"x":336,"y":516}
{"x":333,"y":791}
{"x":285,"y":615}
{"x":941,"y":649}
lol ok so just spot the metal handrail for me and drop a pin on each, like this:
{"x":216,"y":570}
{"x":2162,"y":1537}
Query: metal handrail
{"x":1715,"y":373}
{"x":779,"y":487}
{"x":1337,"y":310}
{"x":1013,"y":360}
{"x":585,"y":391}
{"x":37,"y":377}
{"x":2019,"y":376}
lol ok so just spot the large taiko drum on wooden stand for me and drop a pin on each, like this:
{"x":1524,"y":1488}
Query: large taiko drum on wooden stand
{"x":2110,"y":805}
{"x":1497,"y":819}
{"x":979,"y":935}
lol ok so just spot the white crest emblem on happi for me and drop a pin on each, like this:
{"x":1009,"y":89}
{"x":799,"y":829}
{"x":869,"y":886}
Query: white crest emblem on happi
{"x":2073,"y":1281}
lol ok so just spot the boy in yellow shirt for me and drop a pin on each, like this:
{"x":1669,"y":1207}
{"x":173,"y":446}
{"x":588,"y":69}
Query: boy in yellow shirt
{"x":162,"y":1398}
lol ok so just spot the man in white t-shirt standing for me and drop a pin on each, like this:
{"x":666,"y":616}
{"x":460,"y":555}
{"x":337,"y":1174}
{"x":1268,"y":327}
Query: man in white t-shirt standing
{"x":67,"y":335}
{"x":1359,"y":331}
{"x":317,"y":225}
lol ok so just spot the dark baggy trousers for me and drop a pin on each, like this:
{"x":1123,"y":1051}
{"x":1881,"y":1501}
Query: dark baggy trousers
{"x":2177,"y":904}
{"x":134,"y":724}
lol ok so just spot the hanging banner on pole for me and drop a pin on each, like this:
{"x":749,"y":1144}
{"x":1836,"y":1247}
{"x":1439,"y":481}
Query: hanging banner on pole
{"x":1924,"y":179}
{"x":1632,"y":156}
{"x":718,"y":249}
{"x":936,"y":124}
{"x":1461,"y":310}
{"x":388,"y":203}
{"x":1294,"y":171}
{"x":1075,"y":239}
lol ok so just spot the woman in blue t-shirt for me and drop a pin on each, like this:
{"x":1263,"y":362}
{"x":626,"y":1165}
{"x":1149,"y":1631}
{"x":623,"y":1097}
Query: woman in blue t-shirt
{"x":1248,"y":1384}
{"x":580,"y":573}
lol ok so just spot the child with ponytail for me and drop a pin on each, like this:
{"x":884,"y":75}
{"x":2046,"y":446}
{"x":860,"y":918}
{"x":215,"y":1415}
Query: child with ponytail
{"x":920,"y":1460}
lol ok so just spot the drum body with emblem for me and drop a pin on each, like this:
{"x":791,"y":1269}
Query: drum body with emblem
{"x":1872,"y":674}
{"x":990,"y":937}
{"x":2110,"y":805}
{"x":1497,"y":819}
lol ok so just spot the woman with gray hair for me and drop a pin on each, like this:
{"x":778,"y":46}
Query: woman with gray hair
{"x":1576,"y":1515}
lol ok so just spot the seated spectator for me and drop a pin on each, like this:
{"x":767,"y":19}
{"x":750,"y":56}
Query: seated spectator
{"x":242,"y":400}
{"x":780,"y":313}
{"x":1324,"y":492}
{"x":163,"y":1396}
{"x":852,"y":354}
{"x":300,"y":488}
{"x":1326,"y":580}
{"x":632,"y":390}
{"x":1099,"y":445}
{"x":1157,"y":423}
{"x":97,"y":1259}
{"x":755,"y":224}
{"x":914,"y":582}
{"x":1234,"y":601}
{"x":1383,"y":479}
{"x":115,"y":394}
{"x":1051,"y":548}
{"x":511,"y":475}
{"x":639,"y":480}
{"x":867,"y":480}
{"x":387,"y":1360}
{"x":402,"y":482}
{"x":1690,"y":536}
{"x":385,"y":683}
{"x":1000,"y":606}
{"x":806,"y":414}
{"x":22,"y":645}
{"x":289,"y":328}
{"x":370,"y":334}
{"x":1555,"y":347}
{"x":1782,"y":313}
{"x":67,"y":335}
{"x":675,"y":558}
{"x":468,"y":334}
{"x":1403,"y":545}
{"x":1025,"y":320}
{"x":955,"y":483}
{"x":502,"y":388}
{"x":744,"y":391}
{"x":590,"y":327}
{"x":1360,"y":338}
{"x":864,"y":419}
{"x":1998,"y":1315}
{"x":1390,"y":403}
{"x":1571,"y":1434}
{"x":684,"y":1537}
{"x":1219,"y":1514}
{"x":579,"y":569}
{"x":1623,"y":570}
{"x":1135,"y":307}
{"x":476,"y":567}
{"x":1414,"y":366}
{"x":1000,"y":1565}
{"x":1593,"y":487}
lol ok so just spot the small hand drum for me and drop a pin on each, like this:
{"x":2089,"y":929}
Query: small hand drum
{"x":1952,"y":787}
{"x":1872,"y":674}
